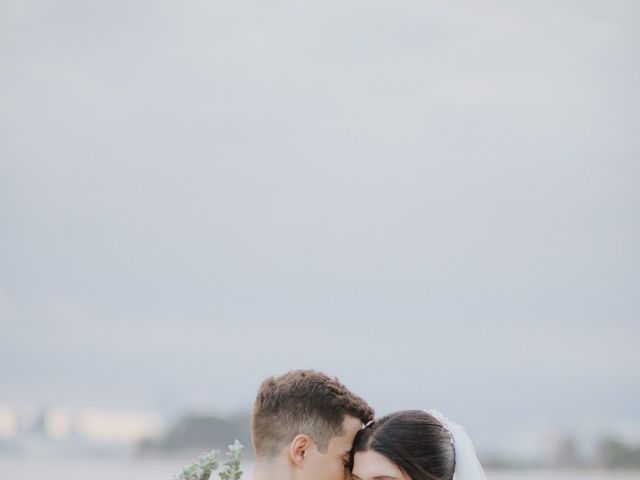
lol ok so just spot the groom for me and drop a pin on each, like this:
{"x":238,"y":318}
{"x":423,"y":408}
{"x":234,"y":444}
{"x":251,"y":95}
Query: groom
{"x":303,"y":425}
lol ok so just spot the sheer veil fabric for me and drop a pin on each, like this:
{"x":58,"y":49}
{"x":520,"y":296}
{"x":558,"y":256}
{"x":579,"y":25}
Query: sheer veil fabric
{"x":467,"y":464}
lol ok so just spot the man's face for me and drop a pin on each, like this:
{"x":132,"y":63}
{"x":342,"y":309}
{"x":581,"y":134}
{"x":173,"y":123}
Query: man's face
{"x":332,"y":465}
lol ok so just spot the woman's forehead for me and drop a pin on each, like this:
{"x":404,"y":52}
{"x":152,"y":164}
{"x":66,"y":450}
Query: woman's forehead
{"x":370,"y":464}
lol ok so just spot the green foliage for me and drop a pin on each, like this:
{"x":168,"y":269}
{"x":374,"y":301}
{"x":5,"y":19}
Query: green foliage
{"x":205,"y":465}
{"x":202,"y":468}
{"x":232,"y":465}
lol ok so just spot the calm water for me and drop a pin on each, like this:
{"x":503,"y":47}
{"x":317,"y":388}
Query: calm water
{"x":157,"y":469}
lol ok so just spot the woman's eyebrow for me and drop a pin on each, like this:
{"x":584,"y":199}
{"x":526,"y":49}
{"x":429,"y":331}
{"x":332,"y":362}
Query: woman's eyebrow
{"x":379,"y":477}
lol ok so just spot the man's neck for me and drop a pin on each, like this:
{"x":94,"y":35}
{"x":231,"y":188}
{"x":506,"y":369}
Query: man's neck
{"x":274,"y":469}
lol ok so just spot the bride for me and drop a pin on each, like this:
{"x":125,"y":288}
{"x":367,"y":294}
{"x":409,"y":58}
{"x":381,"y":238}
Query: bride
{"x":414,"y":445}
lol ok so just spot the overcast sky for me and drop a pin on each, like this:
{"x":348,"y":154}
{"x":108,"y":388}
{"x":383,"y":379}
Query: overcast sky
{"x":435,"y":201}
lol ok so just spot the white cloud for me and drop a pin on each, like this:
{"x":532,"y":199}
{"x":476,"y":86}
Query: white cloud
{"x":5,"y":306}
{"x":364,"y":188}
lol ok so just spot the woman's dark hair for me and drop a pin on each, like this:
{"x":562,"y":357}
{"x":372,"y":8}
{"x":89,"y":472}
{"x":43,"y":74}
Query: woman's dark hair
{"x":413,"y":440}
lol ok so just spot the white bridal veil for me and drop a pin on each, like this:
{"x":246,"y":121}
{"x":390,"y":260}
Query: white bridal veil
{"x":467,"y":464}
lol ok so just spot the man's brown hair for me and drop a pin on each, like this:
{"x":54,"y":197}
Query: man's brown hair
{"x":302,"y":402}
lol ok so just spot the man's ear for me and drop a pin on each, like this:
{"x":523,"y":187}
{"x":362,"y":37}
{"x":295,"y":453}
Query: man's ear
{"x":299,"y":449}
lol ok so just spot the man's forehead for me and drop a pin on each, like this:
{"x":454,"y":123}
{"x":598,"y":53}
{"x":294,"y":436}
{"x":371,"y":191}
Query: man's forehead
{"x":350,"y":427}
{"x":351,"y":424}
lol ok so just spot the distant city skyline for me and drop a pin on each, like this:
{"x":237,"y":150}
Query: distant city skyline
{"x":43,"y":433}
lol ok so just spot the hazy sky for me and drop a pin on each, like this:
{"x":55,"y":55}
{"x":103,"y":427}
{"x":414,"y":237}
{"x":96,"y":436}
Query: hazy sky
{"x":435,"y":201}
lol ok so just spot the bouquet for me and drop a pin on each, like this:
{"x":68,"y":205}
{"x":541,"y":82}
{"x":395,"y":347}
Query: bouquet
{"x":205,"y":465}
